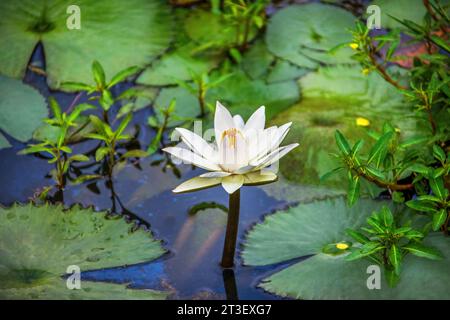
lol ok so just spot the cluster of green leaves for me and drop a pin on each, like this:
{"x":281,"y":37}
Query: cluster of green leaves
{"x":245,"y":14}
{"x":66,"y":126}
{"x":415,"y":170}
{"x":199,"y":87}
{"x":386,"y":243}
{"x":72,"y":124}
{"x":110,"y":138}
{"x":102,"y":89}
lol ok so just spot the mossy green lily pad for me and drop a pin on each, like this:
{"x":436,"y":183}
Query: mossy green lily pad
{"x":308,"y":229}
{"x":303,"y":34}
{"x":38,"y":244}
{"x":117,"y":33}
{"x":412,"y":10}
{"x":22,"y":108}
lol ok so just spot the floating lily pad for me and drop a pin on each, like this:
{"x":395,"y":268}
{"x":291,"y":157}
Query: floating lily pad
{"x":308,"y":228}
{"x":4,"y":143}
{"x":412,"y":10}
{"x":257,"y":60}
{"x":283,"y":70}
{"x":117,"y":33}
{"x":37,"y":244}
{"x":178,"y":65}
{"x":332,"y":99}
{"x":243,"y":95}
{"x":22,"y":108}
{"x":303,"y":34}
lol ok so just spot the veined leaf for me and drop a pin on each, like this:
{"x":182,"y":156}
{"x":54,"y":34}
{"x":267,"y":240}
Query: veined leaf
{"x":342,"y":143}
{"x":379,"y":150}
{"x":395,"y":257}
{"x":423,"y":251}
{"x":439,"y":218}
{"x":99,"y":74}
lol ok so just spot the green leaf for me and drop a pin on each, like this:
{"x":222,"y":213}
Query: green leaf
{"x":395,"y":257}
{"x":84,"y":178}
{"x":440,"y":42}
{"x":438,"y":188}
{"x":439,"y":218}
{"x":358,"y":236}
{"x":56,"y":109}
{"x":48,"y":239}
{"x":99,"y":74}
{"x":76,"y":86}
{"x":330,"y":173}
{"x":79,"y":109}
{"x":419,"y":168}
{"x":379,"y":149}
{"x":392,"y":277}
{"x":353,"y":190}
{"x":79,"y":157}
{"x":342,"y":143}
{"x":423,"y":251}
{"x":123,"y":124}
{"x":386,"y":217}
{"x":22,"y":108}
{"x":135,"y":154}
{"x":422,"y":205}
{"x":400,"y":9}
{"x":100,"y":153}
{"x":122,"y":75}
{"x":438,"y":153}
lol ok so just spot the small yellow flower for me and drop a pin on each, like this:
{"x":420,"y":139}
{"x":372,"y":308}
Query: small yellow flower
{"x":354,"y":46}
{"x":362,"y":122}
{"x":365,"y":71}
{"x":341,"y":246}
{"x":397,"y":130}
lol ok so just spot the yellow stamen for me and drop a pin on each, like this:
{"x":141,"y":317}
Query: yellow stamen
{"x":231,"y":134}
{"x":341,"y":246}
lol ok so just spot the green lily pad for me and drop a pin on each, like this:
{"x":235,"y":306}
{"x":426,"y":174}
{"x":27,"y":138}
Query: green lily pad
{"x":303,"y":34}
{"x":117,"y":33}
{"x":22,"y":108}
{"x":37,"y":244}
{"x":257,"y":60}
{"x":178,"y":65}
{"x":283,"y":70}
{"x":308,"y":228}
{"x":243,"y":95}
{"x":4,"y":143}
{"x":412,"y":10}
{"x":211,"y":31}
{"x":333,"y":98}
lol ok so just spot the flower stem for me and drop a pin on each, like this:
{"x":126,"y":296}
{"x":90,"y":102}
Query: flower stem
{"x":232,"y":229}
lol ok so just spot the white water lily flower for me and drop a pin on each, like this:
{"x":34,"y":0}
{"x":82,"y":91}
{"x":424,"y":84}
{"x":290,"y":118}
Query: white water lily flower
{"x":240,"y":156}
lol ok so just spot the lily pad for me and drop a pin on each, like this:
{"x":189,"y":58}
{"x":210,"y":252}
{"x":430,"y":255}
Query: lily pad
{"x":283,"y":70}
{"x":243,"y":95}
{"x":412,"y":10}
{"x":4,"y":143}
{"x":308,"y":228}
{"x":333,"y":98}
{"x":303,"y":34}
{"x":117,"y":33}
{"x":178,"y":65}
{"x":257,"y":60}
{"x":22,"y":108}
{"x":37,"y":244}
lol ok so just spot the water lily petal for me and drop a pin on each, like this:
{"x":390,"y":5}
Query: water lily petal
{"x":190,"y":157}
{"x":281,"y":134}
{"x":197,"y":183}
{"x":222,"y":121}
{"x":198,"y":144}
{"x":259,"y":177}
{"x":233,"y":150}
{"x":232,"y":183}
{"x":261,"y":141}
{"x":274,"y":156}
{"x":238,"y":122}
{"x":215,"y":174}
{"x":257,"y":120}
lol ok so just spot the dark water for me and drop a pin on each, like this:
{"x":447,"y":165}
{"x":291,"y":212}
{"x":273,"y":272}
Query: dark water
{"x":191,"y":267}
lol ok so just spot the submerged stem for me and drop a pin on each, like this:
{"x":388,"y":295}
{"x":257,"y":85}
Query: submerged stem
{"x":232,"y":229}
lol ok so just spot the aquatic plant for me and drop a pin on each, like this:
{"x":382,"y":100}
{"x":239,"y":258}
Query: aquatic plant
{"x":111,"y":138}
{"x":56,"y":145}
{"x":387,"y":244}
{"x":241,"y":156}
{"x":102,"y":88}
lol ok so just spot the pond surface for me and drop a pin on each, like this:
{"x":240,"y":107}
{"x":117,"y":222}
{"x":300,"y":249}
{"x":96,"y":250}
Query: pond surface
{"x":142,"y":190}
